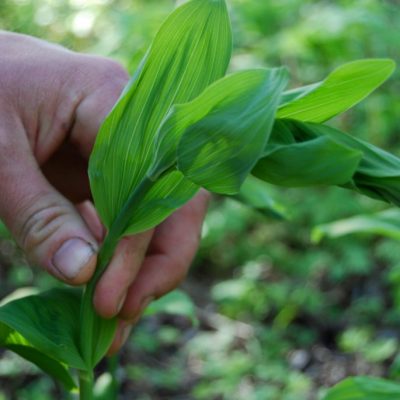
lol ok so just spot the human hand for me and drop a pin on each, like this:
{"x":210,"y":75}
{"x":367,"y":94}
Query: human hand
{"x":52,"y":102}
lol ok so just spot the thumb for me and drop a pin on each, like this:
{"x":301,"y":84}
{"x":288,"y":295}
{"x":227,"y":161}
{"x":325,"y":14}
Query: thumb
{"x":45,"y":224}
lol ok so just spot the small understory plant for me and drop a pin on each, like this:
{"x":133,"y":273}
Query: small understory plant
{"x":181,"y":124}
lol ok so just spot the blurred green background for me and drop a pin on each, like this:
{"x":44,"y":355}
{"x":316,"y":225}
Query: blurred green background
{"x":280,"y":318}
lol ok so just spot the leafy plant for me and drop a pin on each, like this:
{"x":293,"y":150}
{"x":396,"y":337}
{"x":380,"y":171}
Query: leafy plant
{"x":181,"y":124}
{"x":385,"y":223}
{"x":365,"y":388}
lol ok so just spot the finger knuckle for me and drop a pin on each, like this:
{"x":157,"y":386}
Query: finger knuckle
{"x":39,"y":223}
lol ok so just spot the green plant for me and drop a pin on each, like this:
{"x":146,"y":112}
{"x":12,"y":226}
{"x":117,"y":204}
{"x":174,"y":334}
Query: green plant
{"x":181,"y":124}
{"x":365,"y":388}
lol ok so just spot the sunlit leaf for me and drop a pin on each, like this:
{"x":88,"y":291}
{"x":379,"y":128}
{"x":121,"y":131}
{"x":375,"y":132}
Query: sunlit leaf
{"x":364,"y":388}
{"x":384,"y":223}
{"x":377,"y":174}
{"x":342,"y":89}
{"x":44,"y":328}
{"x":191,"y":50}
{"x":289,"y":96}
{"x":232,"y":120}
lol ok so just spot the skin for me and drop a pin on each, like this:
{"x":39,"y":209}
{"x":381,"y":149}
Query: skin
{"x":52,"y":102}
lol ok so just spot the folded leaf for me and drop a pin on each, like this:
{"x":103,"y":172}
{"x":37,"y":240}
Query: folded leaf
{"x":223,"y":131}
{"x":166,"y":195}
{"x":191,"y":50}
{"x":341,"y":90}
{"x":377,"y":174}
{"x":385,"y":223}
{"x":319,"y":161}
{"x":364,"y":388}
{"x":44,"y":328}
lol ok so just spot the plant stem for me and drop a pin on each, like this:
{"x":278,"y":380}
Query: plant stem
{"x":85,"y":385}
{"x":91,"y":323}
{"x":112,"y":368}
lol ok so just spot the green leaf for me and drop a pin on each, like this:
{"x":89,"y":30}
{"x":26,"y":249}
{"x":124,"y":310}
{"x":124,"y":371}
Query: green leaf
{"x":176,"y":302}
{"x":50,"y":366}
{"x":96,"y":333}
{"x":48,"y":321}
{"x":166,"y":195}
{"x":44,"y":329}
{"x":341,"y":90}
{"x":364,"y":388}
{"x":319,"y":161}
{"x":289,"y":96}
{"x":259,"y":196}
{"x":3,"y":230}
{"x":377,"y":174}
{"x":227,"y":127}
{"x":191,"y":50}
{"x":385,"y":223}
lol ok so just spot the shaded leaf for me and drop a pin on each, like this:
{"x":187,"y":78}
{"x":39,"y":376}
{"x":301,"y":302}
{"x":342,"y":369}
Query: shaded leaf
{"x":176,"y":302}
{"x":319,"y":161}
{"x":44,"y":329}
{"x":96,"y":333}
{"x":50,"y":366}
{"x":258,"y":195}
{"x":364,"y":388}
{"x":167,"y":194}
{"x":377,"y":174}
{"x":3,"y":230}
{"x":385,"y":223}
{"x":191,"y":50}
{"x":342,"y":89}
{"x":228,"y":126}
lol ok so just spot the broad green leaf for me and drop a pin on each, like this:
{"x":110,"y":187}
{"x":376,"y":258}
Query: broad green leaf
{"x":364,"y":388}
{"x":385,"y":223}
{"x":224,"y":130}
{"x":191,"y":50}
{"x":50,"y":366}
{"x":259,"y":196}
{"x":166,"y":195}
{"x":319,"y":161}
{"x":377,"y":174}
{"x":342,"y":89}
{"x":47,"y":322}
{"x":176,"y":302}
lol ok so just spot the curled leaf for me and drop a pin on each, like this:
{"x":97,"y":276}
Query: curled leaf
{"x":228,"y":127}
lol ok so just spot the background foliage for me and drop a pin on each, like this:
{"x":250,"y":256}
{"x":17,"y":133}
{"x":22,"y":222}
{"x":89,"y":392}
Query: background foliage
{"x":280,"y":318}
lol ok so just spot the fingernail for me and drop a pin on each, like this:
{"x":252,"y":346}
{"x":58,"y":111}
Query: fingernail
{"x":72,"y":256}
{"x":125,"y":333}
{"x":121,"y":302}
